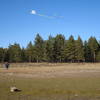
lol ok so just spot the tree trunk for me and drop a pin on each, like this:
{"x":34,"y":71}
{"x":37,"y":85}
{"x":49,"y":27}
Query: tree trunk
{"x":37,"y":59}
{"x":29,"y":58}
{"x":94,"y":56}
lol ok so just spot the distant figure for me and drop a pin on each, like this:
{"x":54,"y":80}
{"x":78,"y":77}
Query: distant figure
{"x":6,"y":65}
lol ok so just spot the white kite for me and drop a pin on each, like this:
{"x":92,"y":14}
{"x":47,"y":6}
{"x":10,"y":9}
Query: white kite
{"x":33,"y":12}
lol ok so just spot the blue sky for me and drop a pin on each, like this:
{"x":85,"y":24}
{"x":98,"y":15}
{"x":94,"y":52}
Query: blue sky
{"x":49,"y":17}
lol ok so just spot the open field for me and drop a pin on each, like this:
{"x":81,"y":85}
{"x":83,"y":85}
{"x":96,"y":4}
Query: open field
{"x":51,"y":81}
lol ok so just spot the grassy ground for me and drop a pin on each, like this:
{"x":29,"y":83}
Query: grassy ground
{"x":81,"y":83}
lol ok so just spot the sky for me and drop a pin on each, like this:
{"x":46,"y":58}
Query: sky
{"x":21,"y":20}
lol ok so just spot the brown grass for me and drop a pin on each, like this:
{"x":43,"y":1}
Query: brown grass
{"x":46,"y":70}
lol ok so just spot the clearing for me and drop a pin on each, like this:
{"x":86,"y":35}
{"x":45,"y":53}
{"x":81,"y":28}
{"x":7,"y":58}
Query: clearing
{"x":45,"y":81}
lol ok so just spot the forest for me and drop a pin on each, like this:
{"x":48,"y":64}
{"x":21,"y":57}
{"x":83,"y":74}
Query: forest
{"x":54,"y":50}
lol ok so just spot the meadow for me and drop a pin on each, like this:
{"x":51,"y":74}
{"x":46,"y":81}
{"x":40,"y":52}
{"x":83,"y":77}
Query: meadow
{"x":45,"y":81}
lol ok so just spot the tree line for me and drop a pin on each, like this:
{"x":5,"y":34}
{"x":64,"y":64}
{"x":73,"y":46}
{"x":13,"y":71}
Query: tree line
{"x":55,"y":49}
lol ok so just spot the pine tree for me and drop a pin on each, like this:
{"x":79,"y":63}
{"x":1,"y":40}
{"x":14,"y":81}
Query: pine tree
{"x":69,"y":50}
{"x":79,"y":50}
{"x":49,"y":49}
{"x":87,"y":52}
{"x":29,"y":51}
{"x":2,"y":54}
{"x":6,"y":54}
{"x":39,"y":48}
{"x":55,"y":49}
{"x":14,"y":53}
{"x":98,"y":57}
{"x":58,"y":47}
{"x":98,"y":54}
{"x":94,"y":46}
{"x":23,"y":55}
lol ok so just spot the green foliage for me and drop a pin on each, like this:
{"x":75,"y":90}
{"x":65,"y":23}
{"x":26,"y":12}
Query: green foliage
{"x":39,"y":48}
{"x":30,"y":52}
{"x":94,"y":46}
{"x":79,"y":50}
{"x":2,"y":54}
{"x":49,"y":49}
{"x":58,"y":48}
{"x":98,"y":56}
{"x":69,"y":50}
{"x":87,"y":52}
{"x":55,"y":49}
{"x":23,"y":55}
{"x":14,"y":53}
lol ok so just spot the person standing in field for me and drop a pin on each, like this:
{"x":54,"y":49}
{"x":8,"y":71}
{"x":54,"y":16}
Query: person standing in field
{"x":6,"y":65}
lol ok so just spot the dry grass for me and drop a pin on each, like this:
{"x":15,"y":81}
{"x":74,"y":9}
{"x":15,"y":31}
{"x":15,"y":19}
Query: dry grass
{"x":46,"y":70}
{"x":45,"y":81}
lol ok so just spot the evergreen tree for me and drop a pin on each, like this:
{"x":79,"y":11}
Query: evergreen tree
{"x":39,"y":48}
{"x":49,"y":49}
{"x":15,"y":53}
{"x":94,"y":46}
{"x":55,"y":49}
{"x":87,"y":52}
{"x":6,"y":55}
{"x":23,"y":55}
{"x":58,"y":48}
{"x":79,"y":49}
{"x":1,"y":54}
{"x":69,"y":50}
{"x":31,"y":52}
{"x":98,"y":56}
